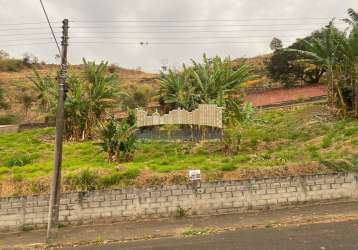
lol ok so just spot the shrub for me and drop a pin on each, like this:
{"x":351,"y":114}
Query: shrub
{"x":111,"y":180}
{"x":231,"y":141}
{"x":8,"y":119}
{"x":11,"y":65}
{"x":19,"y":160}
{"x":327,"y":140}
{"x":86,"y":180}
{"x":118,"y":140}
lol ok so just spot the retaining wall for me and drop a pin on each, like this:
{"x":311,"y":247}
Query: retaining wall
{"x":222,"y":197}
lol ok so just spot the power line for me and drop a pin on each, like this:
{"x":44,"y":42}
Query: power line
{"x":49,"y":24}
{"x":119,"y":38}
{"x":189,"y":31}
{"x":143,"y":43}
{"x":199,"y":26}
{"x":25,"y":23}
{"x":28,"y":28}
{"x":154,"y":20}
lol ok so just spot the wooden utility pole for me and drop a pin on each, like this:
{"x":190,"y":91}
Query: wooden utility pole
{"x":56,"y":178}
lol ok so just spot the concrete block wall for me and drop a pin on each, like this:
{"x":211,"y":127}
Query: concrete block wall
{"x":18,"y":213}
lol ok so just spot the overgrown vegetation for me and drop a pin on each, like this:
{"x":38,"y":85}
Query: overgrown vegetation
{"x":89,"y":98}
{"x":118,"y":140}
{"x":212,"y":81}
{"x":296,"y":141}
{"x":336,"y":52}
{"x":287,"y":67}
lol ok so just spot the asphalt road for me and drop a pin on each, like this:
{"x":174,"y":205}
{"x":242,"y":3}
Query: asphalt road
{"x":333,"y":236}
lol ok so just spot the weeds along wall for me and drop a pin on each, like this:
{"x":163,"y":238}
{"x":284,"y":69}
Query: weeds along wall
{"x":31,"y":212}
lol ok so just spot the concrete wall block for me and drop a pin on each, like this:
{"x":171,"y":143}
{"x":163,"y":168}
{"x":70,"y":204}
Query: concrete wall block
{"x":205,"y":198}
{"x":177,"y":192}
{"x":291,"y":189}
{"x":188,"y":191}
{"x":285,"y":184}
{"x":132,"y":196}
{"x":315,"y":187}
{"x":120,"y":197}
{"x":220,"y":189}
{"x":281,"y":190}
{"x":339,"y":180}
{"x":94,"y":204}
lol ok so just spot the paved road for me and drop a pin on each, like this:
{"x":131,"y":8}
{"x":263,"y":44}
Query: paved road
{"x":333,"y":236}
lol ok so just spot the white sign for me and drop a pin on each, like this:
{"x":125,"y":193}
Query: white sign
{"x":194,"y":175}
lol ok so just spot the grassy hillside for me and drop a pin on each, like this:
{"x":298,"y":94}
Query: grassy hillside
{"x":279,"y":142}
{"x":15,"y":83}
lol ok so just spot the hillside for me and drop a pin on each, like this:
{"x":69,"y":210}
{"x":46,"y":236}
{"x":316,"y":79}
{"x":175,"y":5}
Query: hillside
{"x":17,"y":83}
{"x":299,"y":140}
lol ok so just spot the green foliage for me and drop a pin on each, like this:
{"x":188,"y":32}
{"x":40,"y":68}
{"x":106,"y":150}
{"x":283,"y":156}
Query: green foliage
{"x":89,"y":99}
{"x":212,"y":81}
{"x":26,"y":101}
{"x":337,"y":53}
{"x":236,"y":112}
{"x":196,"y":232}
{"x":327,"y":140}
{"x":3,"y":103}
{"x":273,"y":139}
{"x":231,"y":141}
{"x":118,"y":140}
{"x":8,"y":119}
{"x":86,"y":180}
{"x":46,"y":92}
{"x":137,"y":96}
{"x":19,"y":160}
{"x":11,"y":65}
{"x":285,"y":65}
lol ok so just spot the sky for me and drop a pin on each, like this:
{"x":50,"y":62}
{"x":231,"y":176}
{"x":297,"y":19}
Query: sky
{"x":149,"y":34}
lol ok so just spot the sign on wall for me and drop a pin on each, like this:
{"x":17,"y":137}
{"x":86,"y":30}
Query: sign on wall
{"x":205,"y":115}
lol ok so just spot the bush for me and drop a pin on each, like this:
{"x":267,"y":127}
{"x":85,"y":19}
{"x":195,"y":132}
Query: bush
{"x":118,"y":140}
{"x":231,"y":141}
{"x":86,"y":180}
{"x":11,"y":65}
{"x":327,"y":140}
{"x":19,"y":160}
{"x":8,"y":119}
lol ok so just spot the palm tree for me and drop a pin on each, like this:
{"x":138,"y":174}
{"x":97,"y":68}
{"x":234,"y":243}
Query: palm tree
{"x":46,"y":90}
{"x":177,"y":90}
{"x":325,"y":53}
{"x":89,"y":99}
{"x":337,"y":53}
{"x":353,"y":17}
{"x":212,"y":81}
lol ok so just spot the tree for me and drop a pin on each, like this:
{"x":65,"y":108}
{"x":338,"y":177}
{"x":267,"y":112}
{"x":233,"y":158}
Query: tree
{"x":337,"y":53}
{"x":212,"y":81}
{"x":353,"y":20}
{"x":89,"y":99}
{"x":276,"y":44}
{"x":3,"y":54}
{"x":46,"y":90}
{"x":285,"y":65}
{"x":118,"y":140}
{"x":26,"y":101}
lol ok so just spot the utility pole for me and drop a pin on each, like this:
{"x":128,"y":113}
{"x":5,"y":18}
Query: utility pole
{"x":56,"y":178}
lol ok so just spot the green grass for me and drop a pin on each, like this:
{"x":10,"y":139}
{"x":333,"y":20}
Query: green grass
{"x":276,"y":138}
